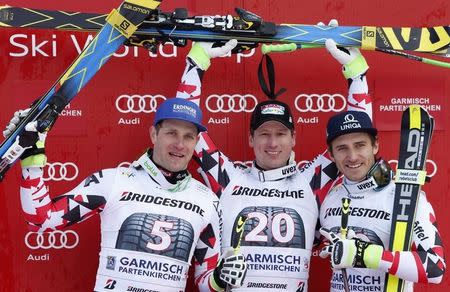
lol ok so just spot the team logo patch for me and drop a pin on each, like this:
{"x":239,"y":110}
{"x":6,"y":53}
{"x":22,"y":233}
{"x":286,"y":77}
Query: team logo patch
{"x":110,"y":263}
{"x":272,"y":109}
{"x":350,"y":122}
{"x":185,"y":109}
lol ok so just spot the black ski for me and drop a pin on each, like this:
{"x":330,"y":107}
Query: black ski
{"x":415,"y":138}
{"x":249,"y":29}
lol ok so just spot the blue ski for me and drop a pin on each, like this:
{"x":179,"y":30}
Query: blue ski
{"x":119,"y":27}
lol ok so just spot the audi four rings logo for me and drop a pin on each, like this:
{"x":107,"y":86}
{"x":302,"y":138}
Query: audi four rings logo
{"x":431,"y":165}
{"x":139,"y":103}
{"x":56,"y":239}
{"x":227,"y":103}
{"x":320,"y":103}
{"x":58,"y":171}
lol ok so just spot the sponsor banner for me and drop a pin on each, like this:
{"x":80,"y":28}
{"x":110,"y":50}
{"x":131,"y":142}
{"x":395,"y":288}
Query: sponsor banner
{"x":60,"y":171}
{"x":394,"y":95}
{"x":235,"y":103}
{"x":134,"y":106}
{"x":358,"y":281}
{"x":311,"y":106}
{"x":293,"y":265}
{"x":128,"y":267}
{"x":58,"y":239}
{"x":430,"y":166}
{"x":40,"y":244}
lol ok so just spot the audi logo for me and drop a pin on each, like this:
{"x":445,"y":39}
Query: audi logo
{"x":138,"y":103}
{"x":56,"y":239}
{"x":235,"y":103}
{"x":429,"y":165}
{"x":58,"y":171}
{"x":320,"y":103}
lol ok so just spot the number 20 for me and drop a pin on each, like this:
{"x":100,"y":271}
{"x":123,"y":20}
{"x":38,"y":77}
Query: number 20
{"x":275,"y":229}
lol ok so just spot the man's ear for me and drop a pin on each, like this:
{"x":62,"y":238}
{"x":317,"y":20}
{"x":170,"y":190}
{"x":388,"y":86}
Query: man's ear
{"x":153,"y":134}
{"x":376,"y":147}
{"x":294,"y":136}
{"x":331,"y":154}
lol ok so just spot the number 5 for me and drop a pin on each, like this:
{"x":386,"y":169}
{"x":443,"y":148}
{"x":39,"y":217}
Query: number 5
{"x":157,"y":230}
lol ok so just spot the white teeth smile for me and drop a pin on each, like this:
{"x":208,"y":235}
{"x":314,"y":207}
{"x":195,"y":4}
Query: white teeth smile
{"x":273,"y":152}
{"x":354,"y":165}
{"x":176,"y":154}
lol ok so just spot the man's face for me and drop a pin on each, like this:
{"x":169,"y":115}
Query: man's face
{"x":272,"y":143}
{"x":173,"y":144}
{"x":354,"y":155}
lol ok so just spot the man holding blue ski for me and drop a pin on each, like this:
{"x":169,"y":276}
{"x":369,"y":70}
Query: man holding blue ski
{"x":154,"y":216}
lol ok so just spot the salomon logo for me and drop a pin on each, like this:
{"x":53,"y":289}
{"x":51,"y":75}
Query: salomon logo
{"x":110,"y":284}
{"x":124,"y":25}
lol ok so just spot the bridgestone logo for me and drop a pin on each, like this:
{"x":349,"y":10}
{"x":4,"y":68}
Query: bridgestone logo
{"x":270,"y":193}
{"x":129,"y":196}
{"x":359,"y":212}
{"x":267,"y":285}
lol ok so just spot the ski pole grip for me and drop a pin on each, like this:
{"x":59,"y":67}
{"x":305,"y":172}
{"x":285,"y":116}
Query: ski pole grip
{"x":344,"y":216}
{"x":284,"y":48}
{"x":237,"y":233}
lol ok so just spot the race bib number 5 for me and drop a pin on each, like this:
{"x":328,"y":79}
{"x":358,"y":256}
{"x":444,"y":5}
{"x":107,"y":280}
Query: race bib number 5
{"x":158,"y":234}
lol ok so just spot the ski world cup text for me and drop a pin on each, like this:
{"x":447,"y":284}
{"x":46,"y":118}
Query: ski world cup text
{"x":37,"y":45}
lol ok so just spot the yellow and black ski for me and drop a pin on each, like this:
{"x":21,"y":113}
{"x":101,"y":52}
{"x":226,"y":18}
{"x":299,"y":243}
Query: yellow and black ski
{"x":118,"y":27}
{"x":415,"y":138}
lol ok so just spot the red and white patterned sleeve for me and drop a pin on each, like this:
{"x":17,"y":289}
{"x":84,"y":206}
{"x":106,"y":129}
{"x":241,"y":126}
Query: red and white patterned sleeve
{"x":207,"y":251}
{"x":358,"y":98}
{"x":42,"y":212}
{"x":190,"y":86}
{"x":426,"y":262}
{"x":215,"y":167}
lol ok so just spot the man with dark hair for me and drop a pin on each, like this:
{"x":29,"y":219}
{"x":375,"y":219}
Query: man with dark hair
{"x":367,"y":181}
{"x":280,"y":201}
